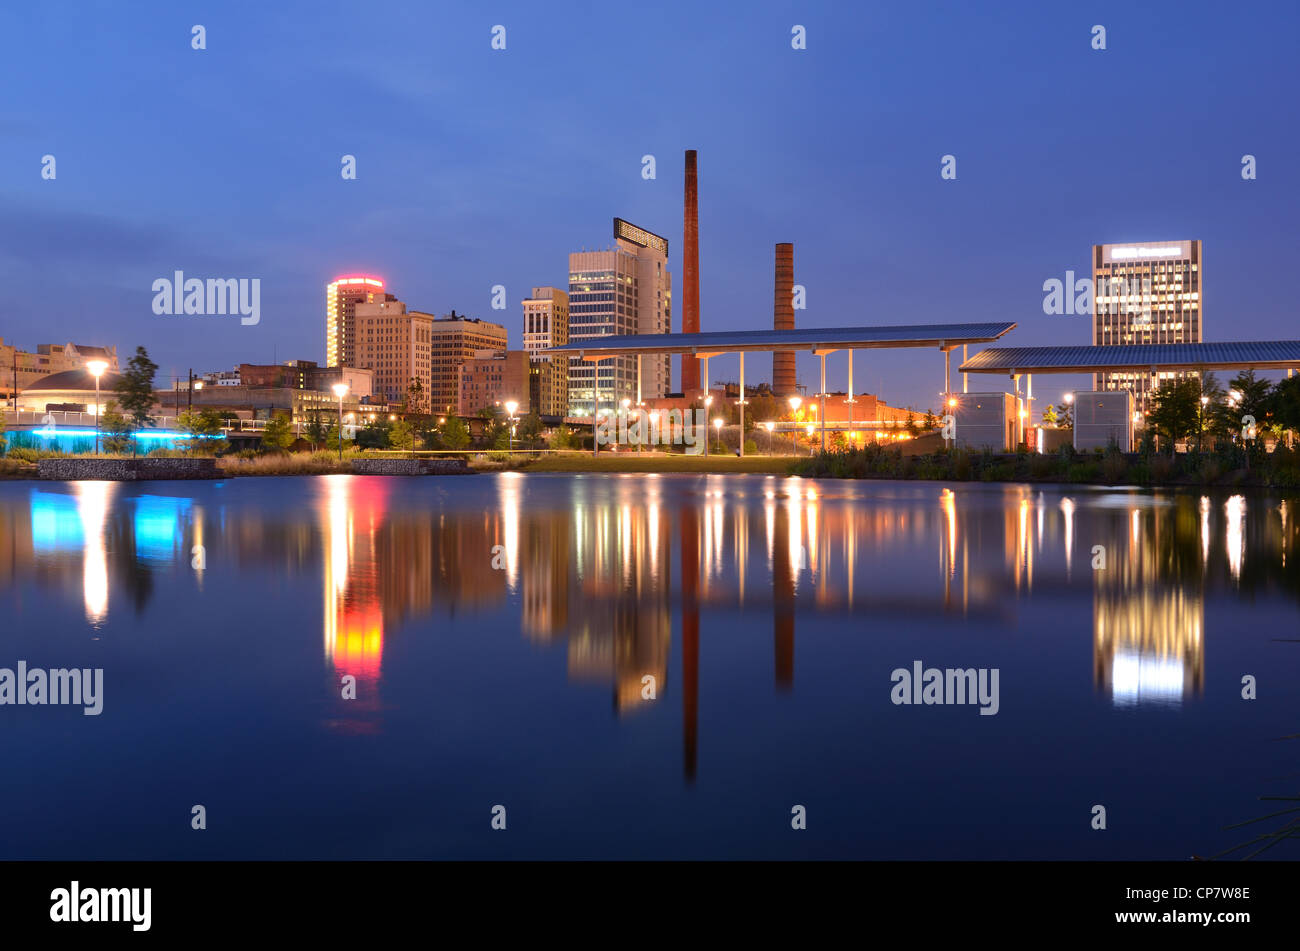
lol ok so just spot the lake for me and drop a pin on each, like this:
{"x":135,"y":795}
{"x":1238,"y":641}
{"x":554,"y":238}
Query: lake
{"x":647,"y":666}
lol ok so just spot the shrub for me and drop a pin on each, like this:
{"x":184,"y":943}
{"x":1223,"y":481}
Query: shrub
{"x":1114,"y":466}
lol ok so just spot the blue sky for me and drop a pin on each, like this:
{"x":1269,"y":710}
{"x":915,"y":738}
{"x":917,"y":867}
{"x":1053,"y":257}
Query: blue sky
{"x":479,"y":167}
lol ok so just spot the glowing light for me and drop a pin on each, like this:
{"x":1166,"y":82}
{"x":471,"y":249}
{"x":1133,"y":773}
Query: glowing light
{"x":1122,"y":254}
{"x":97,"y":368}
{"x":352,"y":281}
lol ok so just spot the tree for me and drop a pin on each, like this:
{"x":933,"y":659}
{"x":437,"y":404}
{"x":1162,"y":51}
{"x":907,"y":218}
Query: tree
{"x":374,"y":435}
{"x":1065,"y":416}
{"x":1176,"y":412}
{"x":529,"y":431}
{"x":415,"y":397}
{"x":401,"y":436}
{"x":115,"y":429}
{"x":1049,"y":416}
{"x":562,"y":438}
{"x":454,"y":433}
{"x":1284,"y":403}
{"x":204,"y":428}
{"x":317,"y":431}
{"x":135,"y":391}
{"x":278,"y":435}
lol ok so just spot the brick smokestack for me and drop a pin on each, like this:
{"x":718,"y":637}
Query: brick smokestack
{"x":691,"y":275}
{"x":783,"y":375}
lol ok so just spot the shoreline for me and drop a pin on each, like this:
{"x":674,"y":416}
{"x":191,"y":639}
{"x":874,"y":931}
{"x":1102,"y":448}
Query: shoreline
{"x":1005,"y":469}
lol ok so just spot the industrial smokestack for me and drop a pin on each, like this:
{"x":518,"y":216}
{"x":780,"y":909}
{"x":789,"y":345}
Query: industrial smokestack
{"x":783,"y":375}
{"x":691,"y":275}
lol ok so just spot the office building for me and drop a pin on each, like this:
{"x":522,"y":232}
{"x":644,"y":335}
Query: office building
{"x":622,"y":290}
{"x":546,"y":324}
{"x":1145,"y":293}
{"x":397,"y":346}
{"x":455,"y":340}
{"x":342,"y":295}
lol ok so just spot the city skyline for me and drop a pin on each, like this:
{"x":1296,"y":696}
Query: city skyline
{"x":882,"y":238}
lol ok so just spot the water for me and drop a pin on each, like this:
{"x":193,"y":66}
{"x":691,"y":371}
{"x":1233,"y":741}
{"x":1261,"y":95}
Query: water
{"x":500,"y":629}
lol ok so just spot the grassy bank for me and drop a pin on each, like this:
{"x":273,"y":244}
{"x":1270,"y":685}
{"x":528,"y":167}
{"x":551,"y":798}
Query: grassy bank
{"x":650,"y":462}
{"x":1226,"y":467}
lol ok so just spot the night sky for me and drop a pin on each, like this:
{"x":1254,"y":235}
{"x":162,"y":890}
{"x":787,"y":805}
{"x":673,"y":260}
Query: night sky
{"x":479,"y":167}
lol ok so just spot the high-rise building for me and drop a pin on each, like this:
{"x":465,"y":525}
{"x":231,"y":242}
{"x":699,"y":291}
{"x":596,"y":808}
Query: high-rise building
{"x":341,"y":298}
{"x":397,"y":345}
{"x":622,"y":290}
{"x":1145,"y":293}
{"x":546,"y":324}
{"x":455,"y":339}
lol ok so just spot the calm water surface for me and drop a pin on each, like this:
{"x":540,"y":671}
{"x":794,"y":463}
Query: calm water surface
{"x":501,"y":630}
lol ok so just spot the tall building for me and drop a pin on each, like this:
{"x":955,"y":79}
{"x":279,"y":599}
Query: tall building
{"x":455,"y":340}
{"x":1145,"y":293}
{"x":622,"y":290}
{"x":341,"y":298}
{"x":397,"y":345}
{"x":546,"y":324}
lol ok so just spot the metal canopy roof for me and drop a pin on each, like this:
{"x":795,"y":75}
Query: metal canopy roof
{"x":1260,"y":355}
{"x":946,"y":336}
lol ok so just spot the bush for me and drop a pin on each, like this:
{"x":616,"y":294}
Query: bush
{"x":1114,"y":466}
{"x":751,"y":447}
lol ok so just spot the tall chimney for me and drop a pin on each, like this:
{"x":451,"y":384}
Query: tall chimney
{"x":691,"y":275}
{"x":783,"y":375}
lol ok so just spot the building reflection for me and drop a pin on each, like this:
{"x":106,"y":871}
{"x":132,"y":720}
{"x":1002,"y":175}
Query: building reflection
{"x":610,"y":570}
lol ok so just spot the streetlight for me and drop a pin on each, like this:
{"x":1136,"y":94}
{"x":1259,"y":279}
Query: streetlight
{"x":511,"y":406}
{"x":708,"y":401}
{"x":97,"y":368}
{"x":340,"y":390}
{"x":717,"y":425}
{"x":811,"y":427}
{"x":769,"y":426}
{"x":1068,"y":397}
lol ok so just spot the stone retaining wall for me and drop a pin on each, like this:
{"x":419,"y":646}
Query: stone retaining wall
{"x":409,"y":467}
{"x":126,"y":470}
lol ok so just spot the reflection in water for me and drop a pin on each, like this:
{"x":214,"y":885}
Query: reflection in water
{"x":610,"y":569}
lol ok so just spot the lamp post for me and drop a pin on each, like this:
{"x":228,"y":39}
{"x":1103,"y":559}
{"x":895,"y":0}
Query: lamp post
{"x":340,"y":390}
{"x":795,"y":402}
{"x":97,"y":368}
{"x":511,"y":406}
{"x":708,"y":401}
{"x":811,"y":430}
{"x":717,"y":425}
{"x":769,"y":426}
